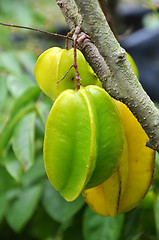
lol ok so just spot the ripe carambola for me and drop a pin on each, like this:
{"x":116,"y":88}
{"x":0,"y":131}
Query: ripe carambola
{"x":83,"y":140}
{"x":53,"y":64}
{"x":127,"y":186}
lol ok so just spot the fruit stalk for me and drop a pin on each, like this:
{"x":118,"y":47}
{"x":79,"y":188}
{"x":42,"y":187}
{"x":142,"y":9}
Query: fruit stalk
{"x":75,"y":36}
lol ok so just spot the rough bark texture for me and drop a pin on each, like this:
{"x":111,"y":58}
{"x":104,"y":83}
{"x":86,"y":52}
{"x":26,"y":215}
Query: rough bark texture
{"x":110,"y":63}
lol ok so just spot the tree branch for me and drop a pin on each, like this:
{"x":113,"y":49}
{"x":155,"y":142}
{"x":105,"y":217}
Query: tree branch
{"x":69,"y":10}
{"x":104,"y":6}
{"x":111,"y":65}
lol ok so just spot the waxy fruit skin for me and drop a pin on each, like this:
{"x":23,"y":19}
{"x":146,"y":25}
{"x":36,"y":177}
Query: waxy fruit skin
{"x":53,"y":64}
{"x":133,"y":64}
{"x":125,"y":189}
{"x":109,"y":135}
{"x":83,"y":140}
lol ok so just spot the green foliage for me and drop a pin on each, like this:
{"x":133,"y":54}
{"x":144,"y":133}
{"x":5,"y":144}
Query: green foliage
{"x":153,"y":7}
{"x":97,"y":227}
{"x":156,"y":211}
{"x":57,"y":207}
{"x":23,"y":207}
{"x":30,"y":208}
{"x":23,"y":141}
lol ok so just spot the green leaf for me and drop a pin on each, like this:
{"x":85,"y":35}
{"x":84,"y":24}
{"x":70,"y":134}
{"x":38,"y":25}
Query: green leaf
{"x":43,"y":110}
{"x":3,"y":91}
{"x":5,"y":38}
{"x":27,"y":60}
{"x":13,"y":166}
{"x":51,"y":238}
{"x":18,"y":83}
{"x":137,"y":236}
{"x":157,"y":159}
{"x":29,"y":95}
{"x":8,"y":129}
{"x":13,"y":193}
{"x":156,"y":213}
{"x":132,"y":222}
{"x":36,"y":172}
{"x":74,"y":231}
{"x":97,"y":227}
{"x":59,"y":209}
{"x":42,"y":225}
{"x":9,"y":62}
{"x":23,"y":140}
{"x":24,"y":207}
{"x":6,"y":181}
{"x":21,"y":12}
{"x":3,"y":204}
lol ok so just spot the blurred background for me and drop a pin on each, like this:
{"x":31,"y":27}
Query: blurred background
{"x":30,"y":208}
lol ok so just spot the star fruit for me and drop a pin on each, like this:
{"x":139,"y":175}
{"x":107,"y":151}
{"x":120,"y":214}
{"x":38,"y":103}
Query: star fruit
{"x":127,"y":186}
{"x":83,"y":140}
{"x":53,"y":64}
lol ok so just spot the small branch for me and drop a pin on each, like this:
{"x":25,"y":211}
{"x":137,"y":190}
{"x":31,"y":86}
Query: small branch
{"x":69,"y":10}
{"x":95,"y":60}
{"x":104,"y":7}
{"x":75,"y":37}
{"x":66,"y":43}
{"x":35,"y":29}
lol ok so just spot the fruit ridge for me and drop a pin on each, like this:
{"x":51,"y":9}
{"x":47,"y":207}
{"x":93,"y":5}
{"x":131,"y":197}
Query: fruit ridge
{"x":72,"y":141}
{"x":125,"y":189}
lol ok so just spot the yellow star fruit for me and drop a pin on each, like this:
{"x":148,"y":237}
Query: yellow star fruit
{"x":125,"y":189}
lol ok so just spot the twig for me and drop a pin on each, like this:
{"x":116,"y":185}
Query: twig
{"x":37,"y":30}
{"x":66,"y":43}
{"x":75,"y":37}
